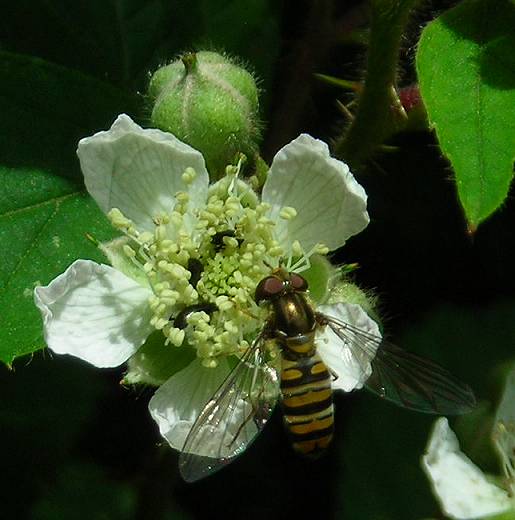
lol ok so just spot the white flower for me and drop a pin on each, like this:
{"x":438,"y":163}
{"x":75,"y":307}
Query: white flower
{"x":184,"y":243}
{"x":463,"y":490}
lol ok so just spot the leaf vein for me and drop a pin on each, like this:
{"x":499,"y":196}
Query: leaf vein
{"x":34,"y":242}
{"x":56,"y":200}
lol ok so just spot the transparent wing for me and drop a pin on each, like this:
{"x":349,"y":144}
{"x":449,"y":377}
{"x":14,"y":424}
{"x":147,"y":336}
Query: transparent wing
{"x":233,"y":417}
{"x":402,"y":377}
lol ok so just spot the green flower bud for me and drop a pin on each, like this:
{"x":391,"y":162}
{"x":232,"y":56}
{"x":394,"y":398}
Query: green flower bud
{"x":329,"y":284}
{"x":341,"y":289}
{"x":211,"y":104}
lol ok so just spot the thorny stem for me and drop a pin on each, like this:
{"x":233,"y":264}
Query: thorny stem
{"x":378,"y":111}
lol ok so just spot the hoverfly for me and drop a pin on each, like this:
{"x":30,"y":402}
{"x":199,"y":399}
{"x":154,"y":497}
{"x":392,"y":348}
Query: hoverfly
{"x":243,"y":403}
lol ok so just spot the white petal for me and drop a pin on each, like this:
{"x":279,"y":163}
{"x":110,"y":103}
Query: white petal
{"x":350,"y":364}
{"x":459,"y":485}
{"x":139,"y":171}
{"x":179,"y":401}
{"x":95,"y":313}
{"x":331,"y":205}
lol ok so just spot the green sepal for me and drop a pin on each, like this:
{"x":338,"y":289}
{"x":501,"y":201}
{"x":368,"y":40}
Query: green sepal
{"x":318,"y":277}
{"x":155,"y":362}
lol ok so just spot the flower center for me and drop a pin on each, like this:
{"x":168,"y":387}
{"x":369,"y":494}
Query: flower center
{"x":211,"y":257}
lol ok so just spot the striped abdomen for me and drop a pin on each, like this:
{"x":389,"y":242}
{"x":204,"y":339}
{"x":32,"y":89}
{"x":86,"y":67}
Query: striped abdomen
{"x":307,"y":401}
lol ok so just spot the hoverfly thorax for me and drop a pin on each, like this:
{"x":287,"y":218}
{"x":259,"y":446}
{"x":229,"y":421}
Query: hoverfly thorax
{"x":293,"y":318}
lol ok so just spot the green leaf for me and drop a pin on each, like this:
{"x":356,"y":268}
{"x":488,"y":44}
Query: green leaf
{"x":46,"y":109}
{"x":111,"y":40}
{"x":43,"y":224}
{"x":44,"y":214}
{"x":466,"y":68}
{"x":122,"y":41}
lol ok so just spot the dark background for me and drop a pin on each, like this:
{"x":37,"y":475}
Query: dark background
{"x":75,"y":444}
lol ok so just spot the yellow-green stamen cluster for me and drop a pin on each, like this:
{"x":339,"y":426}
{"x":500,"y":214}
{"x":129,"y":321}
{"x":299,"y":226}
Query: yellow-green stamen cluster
{"x":224,"y":249}
{"x":504,"y":440}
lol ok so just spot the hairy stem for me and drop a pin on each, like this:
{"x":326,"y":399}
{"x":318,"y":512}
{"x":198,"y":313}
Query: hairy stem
{"x":378,"y":112}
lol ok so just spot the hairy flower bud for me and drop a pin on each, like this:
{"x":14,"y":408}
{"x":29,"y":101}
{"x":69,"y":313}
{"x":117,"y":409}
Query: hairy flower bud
{"x":209,"y":102}
{"x":343,"y":290}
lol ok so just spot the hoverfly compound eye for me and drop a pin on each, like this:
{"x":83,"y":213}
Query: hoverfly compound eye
{"x":298,"y":283}
{"x":268,"y":288}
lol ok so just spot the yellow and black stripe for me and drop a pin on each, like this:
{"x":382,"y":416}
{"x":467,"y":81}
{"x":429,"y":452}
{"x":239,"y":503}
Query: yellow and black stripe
{"x":307,"y":401}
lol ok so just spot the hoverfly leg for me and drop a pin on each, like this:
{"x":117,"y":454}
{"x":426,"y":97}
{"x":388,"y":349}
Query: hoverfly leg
{"x":181,"y":320}
{"x":250,"y":415}
{"x":242,"y":425}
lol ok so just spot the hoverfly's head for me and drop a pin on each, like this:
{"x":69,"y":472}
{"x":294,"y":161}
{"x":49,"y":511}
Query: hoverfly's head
{"x":278,"y":284}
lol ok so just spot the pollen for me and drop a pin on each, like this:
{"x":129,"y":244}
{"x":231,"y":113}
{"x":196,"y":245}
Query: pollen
{"x":503,"y":435}
{"x":288,"y":213}
{"x":213,"y":257}
{"x":189,"y":175}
